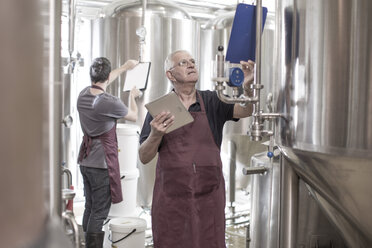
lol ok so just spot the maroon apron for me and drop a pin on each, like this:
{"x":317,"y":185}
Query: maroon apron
{"x":110,"y":146}
{"x":189,"y":193}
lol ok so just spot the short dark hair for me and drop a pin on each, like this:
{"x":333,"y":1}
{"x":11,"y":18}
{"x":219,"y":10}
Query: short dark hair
{"x":100,"y":70}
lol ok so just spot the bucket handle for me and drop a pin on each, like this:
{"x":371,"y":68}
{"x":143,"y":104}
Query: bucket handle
{"x":126,"y":236}
{"x":107,"y":221}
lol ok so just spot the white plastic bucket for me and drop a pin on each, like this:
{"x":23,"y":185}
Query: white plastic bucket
{"x":128,"y":232}
{"x":129,"y":189}
{"x":128,"y":138}
{"x":106,"y":241}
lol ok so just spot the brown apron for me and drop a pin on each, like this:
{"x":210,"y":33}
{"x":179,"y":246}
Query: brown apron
{"x":189,"y":193}
{"x":110,"y":147}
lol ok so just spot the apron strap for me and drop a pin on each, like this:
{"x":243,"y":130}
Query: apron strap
{"x":202,"y":106}
{"x":85,"y":147}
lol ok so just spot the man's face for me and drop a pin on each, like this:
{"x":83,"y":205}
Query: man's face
{"x":184,"y":69}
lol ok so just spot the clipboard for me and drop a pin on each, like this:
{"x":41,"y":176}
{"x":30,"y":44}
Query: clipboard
{"x":170,"y":102}
{"x":138,"y":76}
{"x":242,"y":43}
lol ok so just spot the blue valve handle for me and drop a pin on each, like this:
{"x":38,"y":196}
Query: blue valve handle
{"x":270,"y":154}
{"x":236,"y":77}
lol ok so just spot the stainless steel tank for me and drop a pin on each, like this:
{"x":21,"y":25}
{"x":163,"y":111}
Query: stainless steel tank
{"x":280,"y":196}
{"x":30,"y":125}
{"x":324,"y":61}
{"x":168,"y":28}
{"x":217,"y":32}
{"x":265,"y":202}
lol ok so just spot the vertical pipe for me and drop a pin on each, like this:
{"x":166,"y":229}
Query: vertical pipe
{"x":258,"y":41}
{"x":142,"y":37}
{"x":66,"y":87}
{"x":288,"y":205}
{"x":66,"y":131}
{"x":71,"y":18}
{"x":232,"y":156}
{"x":257,"y":125}
{"x":55,"y":108}
{"x":144,"y":6}
{"x":257,"y":81}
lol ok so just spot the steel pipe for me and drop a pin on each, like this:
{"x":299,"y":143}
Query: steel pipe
{"x":71,"y":19}
{"x":69,"y":217}
{"x":227,"y":99}
{"x":255,"y":170}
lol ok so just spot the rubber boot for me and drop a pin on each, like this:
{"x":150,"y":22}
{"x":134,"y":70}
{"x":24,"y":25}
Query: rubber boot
{"x":94,"y":240}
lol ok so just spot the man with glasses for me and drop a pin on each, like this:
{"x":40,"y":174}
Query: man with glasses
{"x":189,"y":194}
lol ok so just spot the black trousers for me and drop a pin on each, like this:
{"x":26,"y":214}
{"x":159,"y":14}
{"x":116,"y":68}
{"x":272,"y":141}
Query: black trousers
{"x":97,"y":198}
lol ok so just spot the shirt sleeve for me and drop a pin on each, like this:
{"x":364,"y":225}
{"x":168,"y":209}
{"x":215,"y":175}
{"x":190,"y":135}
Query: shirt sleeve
{"x":146,"y":128}
{"x":114,"y":108}
{"x":222,"y":111}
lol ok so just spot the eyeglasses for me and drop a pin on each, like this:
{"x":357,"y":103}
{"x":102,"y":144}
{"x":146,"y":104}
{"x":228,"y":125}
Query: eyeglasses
{"x":184,"y":63}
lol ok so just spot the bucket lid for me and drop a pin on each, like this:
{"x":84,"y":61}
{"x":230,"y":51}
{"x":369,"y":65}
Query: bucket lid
{"x":127,"y":129}
{"x":127,"y":224}
{"x":130,"y":174}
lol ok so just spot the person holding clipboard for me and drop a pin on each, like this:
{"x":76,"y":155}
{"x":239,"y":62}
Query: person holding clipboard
{"x":98,"y":155}
{"x":189,"y":193}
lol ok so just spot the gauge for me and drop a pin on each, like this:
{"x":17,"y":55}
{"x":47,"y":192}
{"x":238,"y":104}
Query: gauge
{"x":141,"y":32}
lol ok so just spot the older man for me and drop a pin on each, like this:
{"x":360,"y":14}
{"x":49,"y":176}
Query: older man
{"x":189,"y":194}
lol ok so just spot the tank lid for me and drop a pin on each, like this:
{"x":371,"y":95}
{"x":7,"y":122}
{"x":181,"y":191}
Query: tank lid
{"x":162,"y":8}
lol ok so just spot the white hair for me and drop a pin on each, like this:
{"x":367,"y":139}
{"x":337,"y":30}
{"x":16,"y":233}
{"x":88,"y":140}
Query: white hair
{"x":169,"y":62}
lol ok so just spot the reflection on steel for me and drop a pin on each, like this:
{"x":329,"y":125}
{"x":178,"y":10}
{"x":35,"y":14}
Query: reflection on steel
{"x":324,"y":86}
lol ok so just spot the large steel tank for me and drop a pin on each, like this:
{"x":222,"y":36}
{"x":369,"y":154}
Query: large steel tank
{"x":168,"y":28}
{"x":217,"y":32}
{"x":324,"y":77}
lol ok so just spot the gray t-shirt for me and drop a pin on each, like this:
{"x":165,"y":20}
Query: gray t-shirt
{"x":98,"y":115}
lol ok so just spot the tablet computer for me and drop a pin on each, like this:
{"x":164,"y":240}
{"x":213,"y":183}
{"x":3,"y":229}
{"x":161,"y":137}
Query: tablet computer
{"x":170,"y":102}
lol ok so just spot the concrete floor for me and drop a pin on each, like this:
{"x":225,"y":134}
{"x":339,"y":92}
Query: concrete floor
{"x":235,"y":227}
